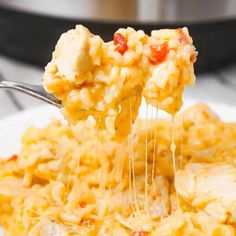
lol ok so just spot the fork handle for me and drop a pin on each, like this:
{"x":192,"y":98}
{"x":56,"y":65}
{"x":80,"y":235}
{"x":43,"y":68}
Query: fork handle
{"x":36,"y":91}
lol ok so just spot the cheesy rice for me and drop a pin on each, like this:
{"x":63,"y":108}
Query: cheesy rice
{"x":107,"y":80}
{"x":78,"y":179}
{"x":74,"y":180}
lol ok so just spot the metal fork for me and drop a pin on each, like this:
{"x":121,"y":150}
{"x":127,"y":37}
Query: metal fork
{"x":36,"y":91}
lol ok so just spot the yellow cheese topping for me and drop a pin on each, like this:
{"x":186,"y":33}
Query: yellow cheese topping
{"x":74,"y":180}
{"x":101,"y":79}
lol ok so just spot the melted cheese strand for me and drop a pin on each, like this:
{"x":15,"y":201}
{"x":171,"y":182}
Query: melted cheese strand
{"x":146,"y":162}
{"x":154,"y":154}
{"x":102,"y":181}
{"x":97,"y":144}
{"x":132,"y":160}
{"x":182,"y":142}
{"x":173,"y":148}
{"x":102,"y":187}
{"x":152,"y":138}
{"x":130,"y":185}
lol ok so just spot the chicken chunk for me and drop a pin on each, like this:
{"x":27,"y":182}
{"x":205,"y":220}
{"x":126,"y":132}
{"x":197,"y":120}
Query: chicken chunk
{"x":209,"y":187}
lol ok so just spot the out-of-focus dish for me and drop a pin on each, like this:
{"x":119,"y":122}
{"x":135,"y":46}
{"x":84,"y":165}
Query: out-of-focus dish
{"x":75,"y":180}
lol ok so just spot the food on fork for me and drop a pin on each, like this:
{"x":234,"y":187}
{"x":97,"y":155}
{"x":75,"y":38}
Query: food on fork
{"x":108,"y":79}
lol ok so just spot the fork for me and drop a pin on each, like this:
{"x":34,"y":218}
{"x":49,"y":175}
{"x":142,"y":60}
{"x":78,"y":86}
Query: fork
{"x":36,"y":91}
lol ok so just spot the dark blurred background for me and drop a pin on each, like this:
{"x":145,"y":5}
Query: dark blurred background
{"x":29,"y":29}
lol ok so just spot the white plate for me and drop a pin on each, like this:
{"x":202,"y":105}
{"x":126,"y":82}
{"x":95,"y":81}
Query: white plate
{"x":13,"y":126}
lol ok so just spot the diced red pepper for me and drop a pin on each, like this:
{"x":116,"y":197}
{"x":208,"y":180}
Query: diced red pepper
{"x":13,"y":158}
{"x":193,"y":57}
{"x":82,"y":204}
{"x":121,"y":43}
{"x":182,"y":37}
{"x":139,"y":233}
{"x":158,"y":53}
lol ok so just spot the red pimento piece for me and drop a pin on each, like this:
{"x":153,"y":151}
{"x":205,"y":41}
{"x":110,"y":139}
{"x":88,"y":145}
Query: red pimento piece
{"x":139,"y":233}
{"x":182,"y":37}
{"x":193,"y":57}
{"x":158,"y":53}
{"x":121,"y":43}
{"x":82,"y":204}
{"x":13,"y":158}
